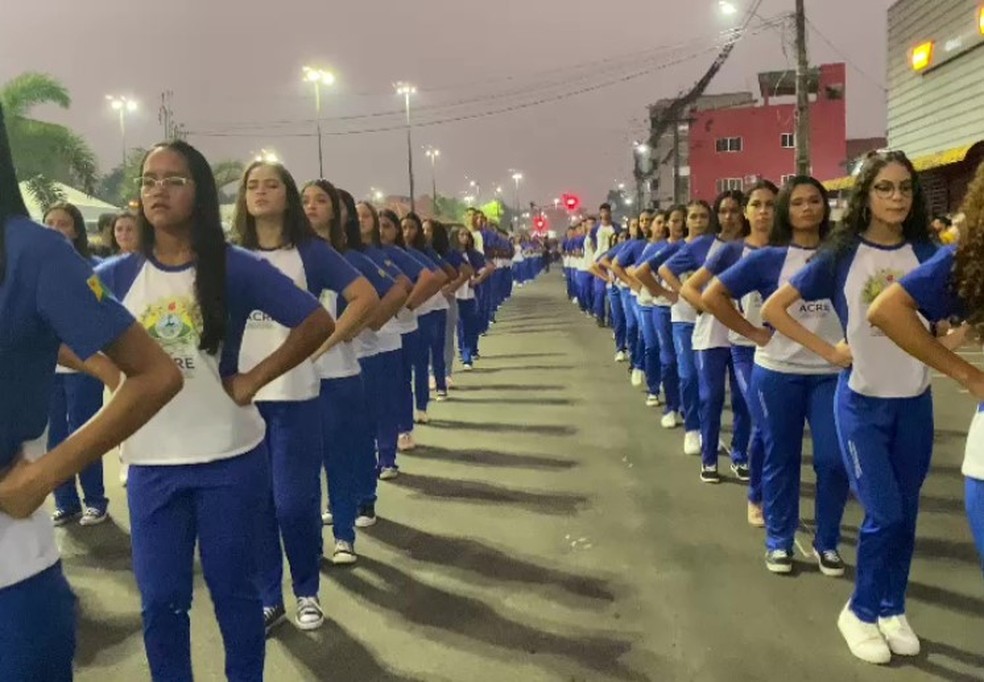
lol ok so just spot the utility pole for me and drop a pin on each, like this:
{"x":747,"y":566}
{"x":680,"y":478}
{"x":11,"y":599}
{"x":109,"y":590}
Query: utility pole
{"x":802,"y":94}
{"x":676,"y":162}
{"x":165,"y":115}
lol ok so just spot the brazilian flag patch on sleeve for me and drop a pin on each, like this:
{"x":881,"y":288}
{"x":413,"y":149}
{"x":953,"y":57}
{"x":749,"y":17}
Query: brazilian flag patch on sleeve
{"x":97,"y":288}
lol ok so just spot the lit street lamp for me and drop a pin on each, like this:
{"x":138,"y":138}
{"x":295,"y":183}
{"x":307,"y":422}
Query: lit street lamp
{"x":406,"y":89}
{"x":123,"y":105}
{"x":319,"y":78}
{"x":517,"y":178}
{"x":433,"y":154}
{"x":267,"y":156}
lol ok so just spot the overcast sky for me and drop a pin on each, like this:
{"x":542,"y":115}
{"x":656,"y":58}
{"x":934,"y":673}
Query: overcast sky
{"x":235,"y":69}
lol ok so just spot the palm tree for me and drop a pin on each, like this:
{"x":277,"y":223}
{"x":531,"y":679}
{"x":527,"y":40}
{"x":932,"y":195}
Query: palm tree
{"x":45,"y":152}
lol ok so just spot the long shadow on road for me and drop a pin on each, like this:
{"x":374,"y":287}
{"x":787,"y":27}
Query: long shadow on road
{"x":489,"y":458}
{"x":561,"y":504}
{"x":499,"y":427}
{"x":464,"y":617}
{"x":489,"y":562}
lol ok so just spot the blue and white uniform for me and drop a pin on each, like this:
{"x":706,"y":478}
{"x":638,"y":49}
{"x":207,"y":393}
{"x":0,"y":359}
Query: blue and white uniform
{"x":663,"y":327}
{"x":615,"y":287}
{"x":645,"y":304}
{"x":468,"y":320}
{"x":199,"y":469}
{"x":626,"y":256}
{"x":682,"y":317}
{"x":884,"y":416}
{"x":49,"y":295}
{"x":433,"y":316}
{"x":456,"y":260}
{"x":930,"y":287}
{"x":791,"y":385}
{"x":289,"y":406}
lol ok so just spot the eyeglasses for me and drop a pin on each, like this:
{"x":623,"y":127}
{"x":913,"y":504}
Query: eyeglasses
{"x":147,"y":183}
{"x":886,"y":190}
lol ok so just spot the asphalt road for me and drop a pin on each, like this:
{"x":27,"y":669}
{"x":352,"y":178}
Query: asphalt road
{"x":549,"y":529}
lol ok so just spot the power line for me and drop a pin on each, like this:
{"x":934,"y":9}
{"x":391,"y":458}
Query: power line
{"x":874,"y":81}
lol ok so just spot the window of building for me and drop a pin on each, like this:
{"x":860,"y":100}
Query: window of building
{"x":788,"y":141}
{"x":729,"y":144}
{"x":725,"y":184}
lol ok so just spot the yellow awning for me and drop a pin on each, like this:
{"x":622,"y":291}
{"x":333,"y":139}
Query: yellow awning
{"x":921,"y":164}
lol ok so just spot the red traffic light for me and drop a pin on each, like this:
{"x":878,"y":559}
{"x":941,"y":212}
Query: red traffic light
{"x":540,"y":223}
{"x":571,"y":202}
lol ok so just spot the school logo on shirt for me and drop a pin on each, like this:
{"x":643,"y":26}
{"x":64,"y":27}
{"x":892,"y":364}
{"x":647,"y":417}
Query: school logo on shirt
{"x":175,"y":324}
{"x":878,"y":282}
{"x":97,"y":288}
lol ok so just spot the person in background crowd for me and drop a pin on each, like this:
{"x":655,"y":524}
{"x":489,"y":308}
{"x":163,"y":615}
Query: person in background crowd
{"x":124,"y":236}
{"x":439,"y":240}
{"x":944,"y":231}
{"x":104,"y":228}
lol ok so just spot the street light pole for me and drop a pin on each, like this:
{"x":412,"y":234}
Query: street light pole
{"x":319,"y":77}
{"x":406,"y":89}
{"x":433,"y":154}
{"x":122,"y":105}
{"x":802,"y":94}
{"x":517,"y":177}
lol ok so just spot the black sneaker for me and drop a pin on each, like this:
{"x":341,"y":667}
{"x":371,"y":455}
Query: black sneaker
{"x":709,"y":475}
{"x":273,"y":616}
{"x":741,"y":472}
{"x":779,"y":561}
{"x":830,"y":561}
{"x":62,"y":517}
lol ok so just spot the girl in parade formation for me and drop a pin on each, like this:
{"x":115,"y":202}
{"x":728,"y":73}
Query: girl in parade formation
{"x":829,"y":328}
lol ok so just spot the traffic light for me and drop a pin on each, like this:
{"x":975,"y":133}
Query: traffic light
{"x":571,"y":202}
{"x":540,"y":223}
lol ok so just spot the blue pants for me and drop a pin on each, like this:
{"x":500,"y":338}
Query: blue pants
{"x":650,"y":344}
{"x":414,"y":374}
{"x":433,"y":328}
{"x":220,"y":505}
{"x":481,"y":306}
{"x":713,"y":366}
{"x":467,"y":330}
{"x":37,"y":628}
{"x":781,"y":404}
{"x":886,"y":444}
{"x":743,"y":359}
{"x":382,"y":378}
{"x":583,"y":279}
{"x":598,"y":298}
{"x":667,"y":358}
{"x":569,"y":278}
{"x":348,"y":450}
{"x":974,"y":499}
{"x":293,"y":511}
{"x":450,"y":333}
{"x":632,"y":333}
{"x":618,"y":318}
{"x":683,"y":333}
{"x":75,"y":398}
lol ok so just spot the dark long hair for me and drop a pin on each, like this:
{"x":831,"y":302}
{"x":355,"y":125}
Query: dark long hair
{"x":782,"y":227}
{"x":395,"y":219}
{"x":296,"y":226}
{"x":470,"y":246}
{"x":332,"y":193}
{"x":440,"y":241}
{"x":207,"y":242}
{"x":712,"y":217}
{"x":419,"y":241}
{"x":968,"y":272}
{"x":114,"y":246}
{"x":11,"y":201}
{"x":374,"y":234}
{"x":81,"y":240}
{"x":351,"y":232}
{"x":739,"y":198}
{"x":856,"y":219}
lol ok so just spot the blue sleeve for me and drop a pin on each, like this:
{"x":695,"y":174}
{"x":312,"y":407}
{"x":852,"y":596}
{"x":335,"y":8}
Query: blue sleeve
{"x":380,"y":258}
{"x":454,"y":258}
{"x":725,"y":257}
{"x":423,"y":259}
{"x":255,"y":284}
{"x":477,"y":260}
{"x":438,"y":258}
{"x":664,"y":255}
{"x":410,"y":266}
{"x":758,"y":271}
{"x":818,"y":280}
{"x":325,"y":268}
{"x":75,"y":303}
{"x":628,"y":256}
{"x":683,"y":261}
{"x":376,"y":275}
{"x":930,"y":286}
{"x":925,"y":250}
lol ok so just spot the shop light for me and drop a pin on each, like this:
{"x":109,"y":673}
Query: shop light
{"x":980,"y":19}
{"x":922,"y":56}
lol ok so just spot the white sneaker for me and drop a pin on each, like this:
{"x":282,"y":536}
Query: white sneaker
{"x":621,"y":356}
{"x":899,"y":635}
{"x":637,"y":377}
{"x":432,"y":384}
{"x":344,"y":554}
{"x":863,"y":639}
{"x":691,"y":443}
{"x":652,"y":400}
{"x":309,"y":614}
{"x":93,"y":517}
{"x":388,"y":473}
{"x":421,"y":417}
{"x":124,"y":473}
{"x":405,"y":442}
{"x":327,"y":518}
{"x":669,"y":420}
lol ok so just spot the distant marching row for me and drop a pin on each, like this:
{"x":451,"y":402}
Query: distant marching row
{"x":809,"y":323}
{"x":238,"y":374}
